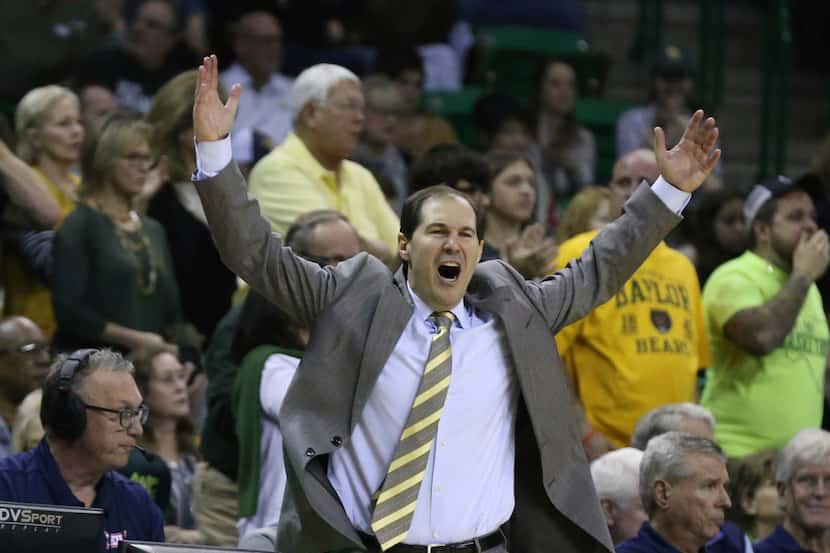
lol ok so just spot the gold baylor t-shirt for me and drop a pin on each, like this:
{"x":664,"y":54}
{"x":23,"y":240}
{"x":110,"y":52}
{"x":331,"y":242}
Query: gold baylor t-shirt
{"x":642,"y":348}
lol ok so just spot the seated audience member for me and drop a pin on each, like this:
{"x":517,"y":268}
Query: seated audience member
{"x":169,"y":433}
{"x":802,"y":475}
{"x":683,"y":489}
{"x":720,"y":232}
{"x":27,"y":430}
{"x":644,"y":347}
{"x":309,"y":170}
{"x":417,"y":132}
{"x":754,"y":496}
{"x":616,"y":477}
{"x":767,"y":325}
{"x":505,"y":125}
{"x":97,"y":102}
{"x":24,"y":362}
{"x":50,"y":135}
{"x":512,"y":192}
{"x":674,"y":417}
{"x":264,"y":108}
{"x":670,"y":94}
{"x":568,"y":149}
{"x":177,"y":207}
{"x":152,"y":53}
{"x":116,"y":285}
{"x":375,"y":151}
{"x":93,"y":413}
{"x":268,"y":348}
{"x":587,"y":211}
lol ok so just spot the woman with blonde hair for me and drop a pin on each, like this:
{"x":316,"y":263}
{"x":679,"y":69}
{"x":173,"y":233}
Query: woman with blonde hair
{"x":177,"y":207}
{"x":116,"y":285}
{"x":588,"y":210}
{"x":49,"y":139}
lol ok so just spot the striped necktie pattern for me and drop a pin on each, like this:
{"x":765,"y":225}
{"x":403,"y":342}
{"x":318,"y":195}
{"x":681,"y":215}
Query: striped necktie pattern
{"x":395,"y":505}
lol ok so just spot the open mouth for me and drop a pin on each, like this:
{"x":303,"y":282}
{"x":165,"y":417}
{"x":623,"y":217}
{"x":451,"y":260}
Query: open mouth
{"x":449,"y":271}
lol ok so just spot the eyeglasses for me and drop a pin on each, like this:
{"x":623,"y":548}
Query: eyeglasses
{"x":126,"y":416}
{"x":140,"y":161}
{"x":31,"y":347}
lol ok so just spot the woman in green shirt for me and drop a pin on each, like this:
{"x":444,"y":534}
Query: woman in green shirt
{"x":114,"y":283}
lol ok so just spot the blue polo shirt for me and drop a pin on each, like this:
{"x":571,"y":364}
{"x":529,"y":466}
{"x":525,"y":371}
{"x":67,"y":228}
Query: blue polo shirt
{"x":34,"y":477}
{"x":780,"y":541}
{"x":729,"y":540}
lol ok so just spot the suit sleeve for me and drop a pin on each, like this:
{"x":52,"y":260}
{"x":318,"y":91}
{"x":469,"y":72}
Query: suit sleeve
{"x":248,"y":248}
{"x":606,"y":264}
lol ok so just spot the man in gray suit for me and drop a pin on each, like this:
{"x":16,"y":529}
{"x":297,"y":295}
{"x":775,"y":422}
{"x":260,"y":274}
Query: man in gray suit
{"x":502,"y":445}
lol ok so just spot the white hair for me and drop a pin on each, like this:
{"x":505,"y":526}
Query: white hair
{"x":808,"y":447}
{"x":314,"y":84}
{"x":667,"y":418}
{"x":666,"y":458}
{"x":616,"y":475}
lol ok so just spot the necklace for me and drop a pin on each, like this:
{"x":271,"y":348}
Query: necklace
{"x":136,"y":243}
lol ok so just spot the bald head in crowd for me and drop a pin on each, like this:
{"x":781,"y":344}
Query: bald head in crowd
{"x":629,"y":172}
{"x":616,"y":477}
{"x":24,"y":364}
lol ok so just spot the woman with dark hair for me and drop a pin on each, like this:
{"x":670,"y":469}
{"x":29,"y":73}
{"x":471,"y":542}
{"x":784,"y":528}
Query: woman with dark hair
{"x":169,"y":432}
{"x":512,"y":194}
{"x":721,"y":232}
{"x":568,"y":149}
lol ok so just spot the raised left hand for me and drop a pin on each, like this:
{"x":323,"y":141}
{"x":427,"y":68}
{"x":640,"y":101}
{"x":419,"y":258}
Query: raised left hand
{"x":691,"y":160}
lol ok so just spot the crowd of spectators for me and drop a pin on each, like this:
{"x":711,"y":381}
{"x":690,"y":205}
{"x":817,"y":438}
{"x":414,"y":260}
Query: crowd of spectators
{"x":707,"y":368}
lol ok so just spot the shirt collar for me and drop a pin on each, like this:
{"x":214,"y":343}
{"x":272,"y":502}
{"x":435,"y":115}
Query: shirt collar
{"x":783,"y":541}
{"x":658,"y":542}
{"x":423,"y":311}
{"x":297,"y":150}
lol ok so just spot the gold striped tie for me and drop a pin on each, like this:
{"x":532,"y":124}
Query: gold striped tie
{"x":395,"y":504}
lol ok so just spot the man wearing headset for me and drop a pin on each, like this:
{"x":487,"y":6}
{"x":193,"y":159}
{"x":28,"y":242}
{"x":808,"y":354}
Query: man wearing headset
{"x":92,"y":412}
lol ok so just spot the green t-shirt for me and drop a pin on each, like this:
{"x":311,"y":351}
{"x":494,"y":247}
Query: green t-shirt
{"x":762,"y":402}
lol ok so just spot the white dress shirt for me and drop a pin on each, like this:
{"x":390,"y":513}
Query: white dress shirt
{"x":265,"y":110}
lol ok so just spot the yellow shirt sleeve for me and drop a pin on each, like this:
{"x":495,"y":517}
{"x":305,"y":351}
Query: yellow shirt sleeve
{"x":386,"y":221}
{"x":725,"y":295}
{"x":284,"y":193}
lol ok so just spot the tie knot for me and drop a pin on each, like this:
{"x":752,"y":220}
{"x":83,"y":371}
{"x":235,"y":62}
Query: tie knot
{"x":442,"y":319}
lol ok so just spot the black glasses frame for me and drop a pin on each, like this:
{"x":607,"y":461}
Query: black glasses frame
{"x":125,"y":415}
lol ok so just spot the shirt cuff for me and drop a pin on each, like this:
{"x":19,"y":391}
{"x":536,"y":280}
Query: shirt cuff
{"x":211,"y":157}
{"x":674,"y":198}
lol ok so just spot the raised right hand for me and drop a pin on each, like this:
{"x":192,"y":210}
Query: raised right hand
{"x":812,"y":255}
{"x":212,"y":119}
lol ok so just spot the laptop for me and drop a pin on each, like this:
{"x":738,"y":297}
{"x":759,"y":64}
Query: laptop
{"x":48,"y":528}
{"x":128,"y":546}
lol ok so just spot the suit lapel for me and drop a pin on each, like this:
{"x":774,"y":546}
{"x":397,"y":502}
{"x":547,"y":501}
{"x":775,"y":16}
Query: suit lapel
{"x":393,"y":312}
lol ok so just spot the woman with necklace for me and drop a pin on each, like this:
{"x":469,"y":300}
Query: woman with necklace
{"x":114,"y":282}
{"x":49,"y":135}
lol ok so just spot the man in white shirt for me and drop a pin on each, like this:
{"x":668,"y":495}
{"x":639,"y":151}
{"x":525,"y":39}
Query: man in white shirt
{"x":263,"y":109}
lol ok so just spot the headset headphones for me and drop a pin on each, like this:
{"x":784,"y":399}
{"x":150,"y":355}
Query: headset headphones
{"x":62,"y":410}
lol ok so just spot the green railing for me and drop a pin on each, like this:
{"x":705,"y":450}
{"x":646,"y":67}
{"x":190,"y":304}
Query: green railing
{"x":775,"y":88}
{"x":776,"y":76}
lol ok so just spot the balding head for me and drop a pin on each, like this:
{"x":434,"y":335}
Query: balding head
{"x":24,"y":358}
{"x":629,"y":171}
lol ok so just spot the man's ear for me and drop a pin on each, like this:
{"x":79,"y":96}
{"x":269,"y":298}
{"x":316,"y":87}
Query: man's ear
{"x":609,"y":509}
{"x":662,"y":494}
{"x":748,"y":504}
{"x":403,"y":247}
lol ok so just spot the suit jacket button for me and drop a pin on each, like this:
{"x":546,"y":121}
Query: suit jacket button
{"x":310,"y":452}
{"x":337,"y":441}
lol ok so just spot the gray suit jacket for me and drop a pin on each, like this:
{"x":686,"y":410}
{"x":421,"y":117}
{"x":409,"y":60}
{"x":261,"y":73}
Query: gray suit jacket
{"x":357,"y":312}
